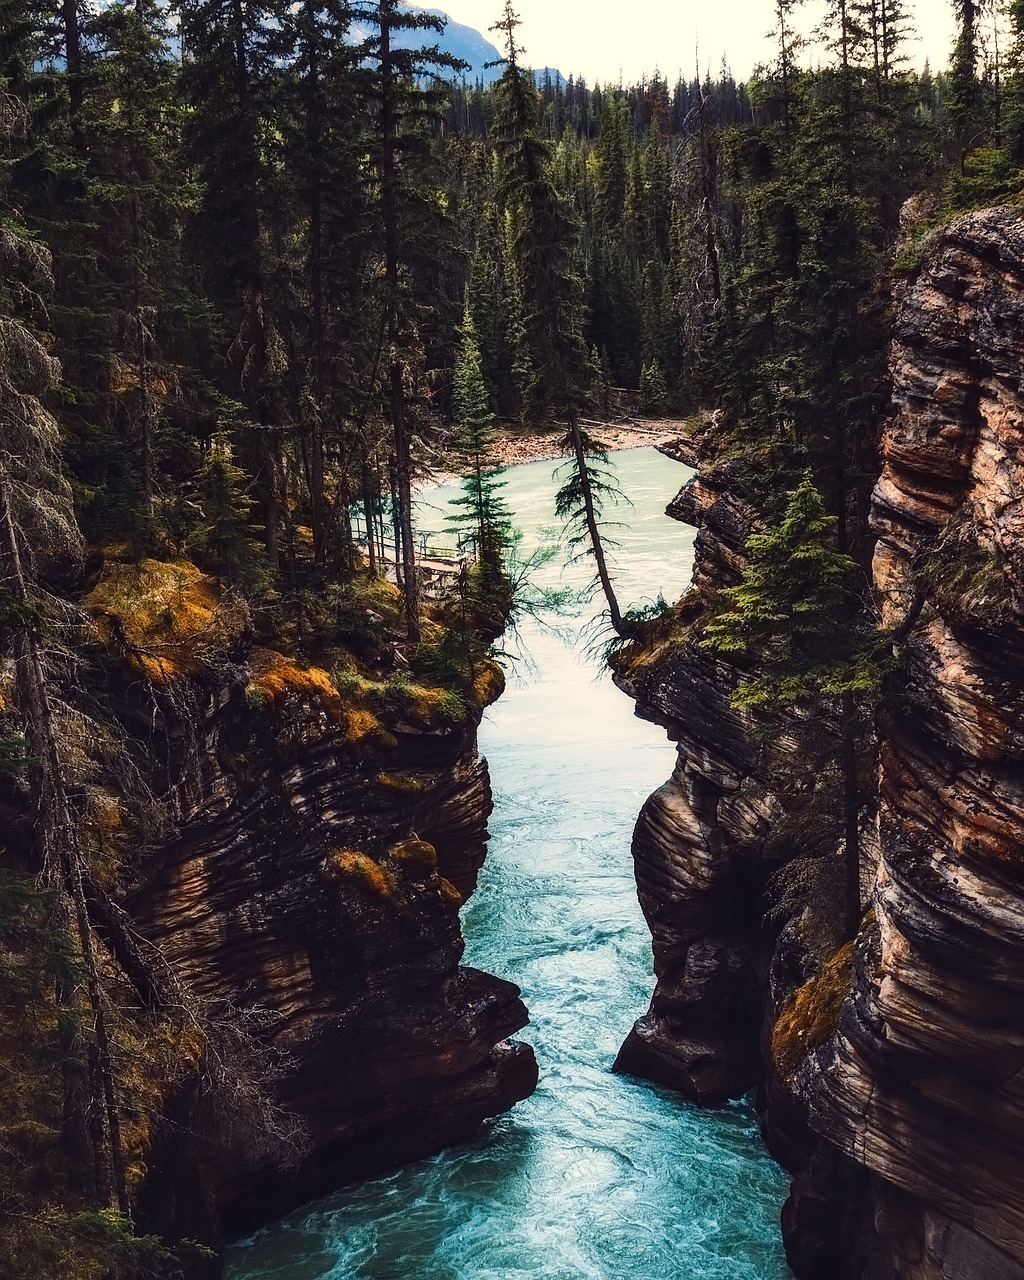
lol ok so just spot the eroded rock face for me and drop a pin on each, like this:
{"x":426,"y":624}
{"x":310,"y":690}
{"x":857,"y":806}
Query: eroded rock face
{"x":315,"y":875}
{"x":892,"y":1075}
{"x":923,"y":1084}
{"x":697,"y":844}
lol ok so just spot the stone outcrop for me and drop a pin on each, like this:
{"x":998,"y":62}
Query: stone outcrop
{"x":923,"y":1083}
{"x":696,"y":846}
{"x":308,"y":891}
{"x":890,"y":1071}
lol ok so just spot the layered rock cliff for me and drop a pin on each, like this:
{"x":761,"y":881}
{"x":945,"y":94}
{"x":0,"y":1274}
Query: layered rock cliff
{"x":298,"y":898}
{"x":890,"y":1068}
{"x":697,"y":844}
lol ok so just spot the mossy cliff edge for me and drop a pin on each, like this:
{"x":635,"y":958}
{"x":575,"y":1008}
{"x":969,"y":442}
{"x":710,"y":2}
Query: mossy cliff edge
{"x":282,"y":820}
{"x":887,"y":1068}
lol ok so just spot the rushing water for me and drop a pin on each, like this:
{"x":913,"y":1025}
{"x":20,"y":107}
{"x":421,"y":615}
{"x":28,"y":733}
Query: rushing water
{"x":597,"y":1176}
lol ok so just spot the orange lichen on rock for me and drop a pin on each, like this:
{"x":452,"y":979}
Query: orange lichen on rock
{"x":660,"y":638}
{"x":416,"y":855}
{"x":811,"y":1014}
{"x":276,"y":678}
{"x":401,"y":782}
{"x":364,"y":729}
{"x":351,"y":865}
{"x":489,"y":684}
{"x":166,"y":619}
{"x":429,"y":707}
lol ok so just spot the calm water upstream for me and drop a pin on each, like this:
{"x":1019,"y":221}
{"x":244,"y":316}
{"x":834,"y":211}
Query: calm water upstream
{"x":596,"y":1177}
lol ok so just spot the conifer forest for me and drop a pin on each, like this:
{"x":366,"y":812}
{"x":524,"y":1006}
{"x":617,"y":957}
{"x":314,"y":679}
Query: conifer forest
{"x":267,"y":271}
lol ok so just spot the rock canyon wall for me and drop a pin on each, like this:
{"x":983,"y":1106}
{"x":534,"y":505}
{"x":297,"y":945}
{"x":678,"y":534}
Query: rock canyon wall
{"x":323,"y":832}
{"x":891,"y":1069}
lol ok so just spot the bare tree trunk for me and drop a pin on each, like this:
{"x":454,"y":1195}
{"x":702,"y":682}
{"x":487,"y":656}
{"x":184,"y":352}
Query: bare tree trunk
{"x":396,"y":525}
{"x":270,"y":489}
{"x":403,"y":463}
{"x":73,"y":56}
{"x":708,"y":195}
{"x":314,"y":145}
{"x":148,"y":417}
{"x":851,"y":814}
{"x":403,"y":489}
{"x":142,"y":336}
{"x":370,"y":515}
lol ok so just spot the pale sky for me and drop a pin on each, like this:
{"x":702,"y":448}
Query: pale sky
{"x":601,"y":39}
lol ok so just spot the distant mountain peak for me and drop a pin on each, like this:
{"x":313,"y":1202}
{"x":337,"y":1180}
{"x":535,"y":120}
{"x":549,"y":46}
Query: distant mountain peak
{"x":461,"y":42}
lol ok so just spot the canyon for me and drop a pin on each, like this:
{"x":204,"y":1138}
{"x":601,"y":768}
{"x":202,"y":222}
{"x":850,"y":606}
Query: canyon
{"x":888,"y":1069}
{"x":321,"y":832}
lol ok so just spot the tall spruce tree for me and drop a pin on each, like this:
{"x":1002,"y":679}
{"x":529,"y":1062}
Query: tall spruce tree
{"x":231,"y":70}
{"x":480,"y":509}
{"x":331,"y":324}
{"x":1013,"y":101}
{"x":132,"y":120}
{"x":544,"y":243}
{"x":480,"y":515}
{"x":794,"y":615}
{"x":402,"y":154}
{"x":964,"y":123}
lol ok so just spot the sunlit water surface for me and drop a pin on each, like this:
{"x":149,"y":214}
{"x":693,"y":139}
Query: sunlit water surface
{"x":596,"y":1176}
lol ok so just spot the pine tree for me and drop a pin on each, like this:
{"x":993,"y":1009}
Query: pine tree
{"x":480,"y":515}
{"x":231,"y":73}
{"x":37,"y":524}
{"x":793,"y":615}
{"x":544,"y":243}
{"x":1013,"y":101}
{"x":653,"y":389}
{"x":480,"y":508}
{"x":224,"y":541}
{"x":963,"y":96}
{"x":131,"y":119}
{"x":401,"y":109}
{"x":332,"y":324}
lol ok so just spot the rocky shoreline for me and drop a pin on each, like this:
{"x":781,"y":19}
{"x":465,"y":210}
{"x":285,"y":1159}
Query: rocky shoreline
{"x":514,"y":445}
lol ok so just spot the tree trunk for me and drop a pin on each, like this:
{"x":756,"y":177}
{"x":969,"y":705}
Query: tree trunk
{"x":369,"y":514}
{"x":592,"y":526}
{"x":403,"y":462}
{"x":314,"y":148}
{"x":73,"y":55}
{"x":851,"y":814}
{"x":61,"y":862}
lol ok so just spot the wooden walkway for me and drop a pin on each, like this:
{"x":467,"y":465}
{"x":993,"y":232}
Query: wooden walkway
{"x":438,"y":567}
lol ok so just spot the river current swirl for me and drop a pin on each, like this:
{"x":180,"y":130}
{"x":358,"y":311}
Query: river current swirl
{"x":596,"y":1176}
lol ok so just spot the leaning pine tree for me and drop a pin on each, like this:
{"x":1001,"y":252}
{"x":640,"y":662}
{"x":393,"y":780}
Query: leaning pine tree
{"x":545,"y":234}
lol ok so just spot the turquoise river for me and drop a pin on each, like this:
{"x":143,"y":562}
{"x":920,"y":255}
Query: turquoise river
{"x":597,"y":1176}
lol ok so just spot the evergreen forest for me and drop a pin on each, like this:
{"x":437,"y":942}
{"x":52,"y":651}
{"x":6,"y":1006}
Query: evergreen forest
{"x":259,"y":280}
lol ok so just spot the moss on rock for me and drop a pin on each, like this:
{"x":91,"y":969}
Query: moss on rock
{"x":811,"y":1014}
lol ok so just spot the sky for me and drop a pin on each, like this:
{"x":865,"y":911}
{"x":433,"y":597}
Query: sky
{"x":602,"y":40}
